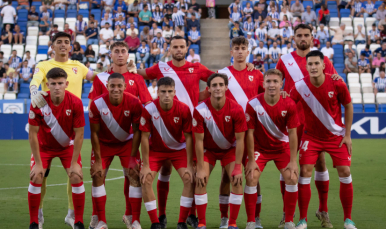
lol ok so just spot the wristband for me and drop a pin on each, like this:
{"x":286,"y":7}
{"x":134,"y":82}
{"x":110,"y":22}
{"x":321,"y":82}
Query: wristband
{"x":236,"y":170}
{"x":132,"y":162}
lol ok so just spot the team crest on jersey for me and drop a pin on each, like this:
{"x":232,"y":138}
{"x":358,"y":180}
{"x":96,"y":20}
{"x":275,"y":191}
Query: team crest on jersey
{"x":131,"y":82}
{"x":330,"y":94}
{"x":105,"y":112}
{"x":283,"y":113}
{"x":247,"y":117}
{"x":227,"y":118}
{"x":126,"y":113}
{"x":176,"y":119}
{"x":194,"y":122}
{"x":90,"y":114}
{"x":143,"y":121}
{"x":75,"y":70}
{"x":68,"y":112}
{"x":250,"y":78}
{"x":31,"y":114}
{"x":191,"y":70}
{"x":36,"y":70}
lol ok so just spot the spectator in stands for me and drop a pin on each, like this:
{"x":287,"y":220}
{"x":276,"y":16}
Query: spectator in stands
{"x":73,"y":4}
{"x":194,"y":37}
{"x":92,"y":35}
{"x":155,"y":4}
{"x":234,"y":7}
{"x":78,"y":53}
{"x":272,"y":8}
{"x":297,"y":8}
{"x":8,"y":69}
{"x":153,"y":89}
{"x":100,"y":67}
{"x":105,"y":61}
{"x":234,"y":17}
{"x":350,"y":49}
{"x":382,"y":49}
{"x":263,"y":5}
{"x":133,"y":9}
{"x":158,"y":16}
{"x":167,"y":22}
{"x":377,"y":61}
{"x":132,"y":29}
{"x":286,"y":33}
{"x":145,"y":16}
{"x":344,"y":4}
{"x":143,"y":52}
{"x":274,"y":34}
{"x":145,"y":2}
{"x":259,"y":15}
{"x":155,"y":53}
{"x":2,"y":57}
{"x":145,"y":34}
{"x":373,"y":35}
{"x":261,"y":33}
{"x":324,"y":15}
{"x":379,"y":83}
{"x":11,"y":82}
{"x":90,"y":54}
{"x":258,"y":63}
{"x":133,"y":43}
{"x":106,"y":20}
{"x":119,"y":34}
{"x":22,"y":4}
{"x":360,"y":37}
{"x":381,"y":13}
{"x":322,"y":34}
{"x":131,"y":21}
{"x":273,"y":14}
{"x":249,"y":26}
{"x":251,"y":44}
{"x":167,"y":34}
{"x":297,"y":21}
{"x":7,"y":35}
{"x":369,"y":9}
{"x":80,"y":26}
{"x":356,"y":8}
{"x":351,"y":64}
{"x":25,"y":73}
{"x":236,"y":31}
{"x":2,"y":71}
{"x":263,"y":51}
{"x":284,"y":22}
{"x":196,"y":7}
{"x":69,"y":31}
{"x":154,"y":30}
{"x":164,"y":52}
{"x":318,"y":4}
{"x":247,"y":11}
{"x":159,"y":40}
{"x":193,"y":57}
{"x":30,"y":59}
{"x":367,"y":52}
{"x":328,"y":51}
{"x":119,"y":3}
{"x":179,"y":32}
{"x":18,"y":35}
{"x":193,"y":22}
{"x":382,"y":30}
{"x":106,"y":34}
{"x":363,"y":64}
{"x":45,"y":12}
{"x":51,"y":33}
{"x":120,"y":20}
{"x":274,"y":53}
{"x":287,"y":49}
{"x":309,"y":17}
{"x":107,"y":4}
{"x":178,"y":18}
{"x":33,"y":17}
{"x":14,"y":60}
{"x":168,"y":5}
{"x":285,"y":11}
{"x":338,"y":36}
{"x":8,"y":13}
{"x":92,"y":19}
{"x":59,"y":5}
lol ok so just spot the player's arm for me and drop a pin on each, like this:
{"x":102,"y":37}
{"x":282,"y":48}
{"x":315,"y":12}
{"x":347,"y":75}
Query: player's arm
{"x":78,"y":141}
{"x":237,"y":176}
{"x":293,"y":143}
{"x":38,"y":169}
{"x":251,"y":165}
{"x":201,"y":177}
{"x":348,"y":119}
{"x":203,"y":95}
{"x":37,"y":99}
{"x":145,"y":170}
{"x":97,"y":166}
{"x":189,"y":153}
{"x":136,"y":139}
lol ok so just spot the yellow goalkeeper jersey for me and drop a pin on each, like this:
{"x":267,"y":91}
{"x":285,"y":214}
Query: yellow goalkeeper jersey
{"x":76,"y":73}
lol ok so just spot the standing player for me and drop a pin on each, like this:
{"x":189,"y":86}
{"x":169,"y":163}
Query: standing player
{"x":56,"y":130}
{"x":111,"y":116}
{"x":166,"y":135}
{"x":76,"y":72}
{"x":271,"y":136}
{"x":321,"y":98}
{"x":136,"y":86}
{"x":219,"y":124}
{"x":286,"y":65}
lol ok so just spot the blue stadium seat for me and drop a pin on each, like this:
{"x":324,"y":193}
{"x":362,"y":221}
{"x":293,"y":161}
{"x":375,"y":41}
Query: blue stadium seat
{"x":15,"y":4}
{"x":42,"y":49}
{"x":308,"y":3}
{"x":136,"y":20}
{"x":195,"y":48}
{"x":23,"y":96}
{"x":370,"y":108}
{"x":84,"y":95}
{"x":343,"y":75}
{"x":358,"y":108}
{"x":72,"y":13}
{"x":272,"y":65}
{"x":381,"y":107}
{"x":342,"y":108}
{"x":250,"y":58}
{"x":84,"y":13}
{"x":83,"y":47}
{"x":22,"y":15}
{"x":86,"y":3}
{"x":344,"y":12}
{"x":59,"y":13}
{"x":377,"y":4}
{"x":266,"y":67}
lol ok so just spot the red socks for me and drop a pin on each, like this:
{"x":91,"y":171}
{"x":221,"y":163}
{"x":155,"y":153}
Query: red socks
{"x":258,"y":206}
{"x":99,"y":202}
{"x":322,"y":183}
{"x":235,"y":201}
{"x":126,"y":188}
{"x":304,"y":196}
{"x":282,"y":189}
{"x":201,"y":203}
{"x":250,"y":197}
{"x":346,"y":194}
{"x":78,"y":199}
{"x":193,"y":209}
{"x":185,"y":205}
{"x":162,"y":193}
{"x":290,"y":199}
{"x":224,"y":203}
{"x":34,"y":196}
{"x":135,"y":198}
{"x":151,"y":208}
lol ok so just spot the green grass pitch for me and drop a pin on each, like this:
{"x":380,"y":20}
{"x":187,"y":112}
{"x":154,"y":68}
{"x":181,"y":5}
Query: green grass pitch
{"x":368,"y":172}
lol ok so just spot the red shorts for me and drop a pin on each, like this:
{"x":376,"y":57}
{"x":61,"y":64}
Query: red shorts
{"x":310,"y":149}
{"x":179,"y":159}
{"x":108,"y":152}
{"x":281,"y":159}
{"x":300,"y":131}
{"x":226,"y":156}
{"x":64,"y":156}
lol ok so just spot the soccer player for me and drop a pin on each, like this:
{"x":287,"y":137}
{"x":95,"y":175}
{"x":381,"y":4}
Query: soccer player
{"x":136,"y":86}
{"x":56,"y":130}
{"x":219,"y":127}
{"x":321,"y":98}
{"x":76,"y":72}
{"x":111,"y":116}
{"x":166,"y":135}
{"x":271,"y":136}
{"x":287,"y":65}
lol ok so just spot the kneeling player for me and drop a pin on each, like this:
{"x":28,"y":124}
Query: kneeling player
{"x":111,"y":116}
{"x":321,"y":98}
{"x":271,"y":136}
{"x":56,"y":130}
{"x":218,"y":124}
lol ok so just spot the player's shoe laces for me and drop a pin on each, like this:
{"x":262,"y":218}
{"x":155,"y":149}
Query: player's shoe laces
{"x":258,"y":223}
{"x":182,"y":226}
{"x":136,"y":225}
{"x":302,"y":224}
{"x":224,"y":222}
{"x":163,"y":221}
{"x":289,"y":225}
{"x":193,"y":222}
{"x":93,"y":222}
{"x":324,"y":219}
{"x":154,"y":225}
{"x":250,"y":225}
{"x":69,"y":220}
{"x":127,"y":219}
{"x":79,"y":225}
{"x":349,"y":224}
{"x":33,"y":226}
{"x":282,"y":222}
{"x":101,"y":225}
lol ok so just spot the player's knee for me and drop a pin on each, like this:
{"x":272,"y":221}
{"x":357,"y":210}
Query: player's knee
{"x":134,"y":181}
{"x":305,"y":171}
{"x":148,"y":181}
{"x":186,"y":179}
{"x":166,"y":169}
{"x":75,"y":179}
{"x":344,"y":171}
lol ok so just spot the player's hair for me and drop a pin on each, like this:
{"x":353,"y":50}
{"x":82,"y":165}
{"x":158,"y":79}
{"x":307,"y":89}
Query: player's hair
{"x":214,"y":75}
{"x":56,"y":73}
{"x":61,"y":34}
{"x":177,"y":38}
{"x":119,"y":44}
{"x":302,"y":26}
{"x":315,"y":53}
{"x":116,"y":76}
{"x":240,"y":41}
{"x":273,"y":71}
{"x":166,"y":81}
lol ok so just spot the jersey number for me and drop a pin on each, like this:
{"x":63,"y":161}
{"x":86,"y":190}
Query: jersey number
{"x":304,"y":146}
{"x":257,"y":154}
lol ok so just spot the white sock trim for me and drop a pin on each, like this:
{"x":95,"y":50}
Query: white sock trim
{"x":78,"y":190}
{"x":98,"y":191}
{"x":281,"y":177}
{"x":345,"y":180}
{"x":186,"y":201}
{"x":201,"y":199}
{"x":34,"y":190}
{"x":71,"y":213}
{"x":250,"y":190}
{"x":135,"y":192}
{"x":163,"y":178}
{"x":223,"y":199}
{"x":151,"y":205}
{"x":304,"y":180}
{"x":291,"y":188}
{"x":259,"y":199}
{"x":322,"y":176}
{"x":236,"y":199}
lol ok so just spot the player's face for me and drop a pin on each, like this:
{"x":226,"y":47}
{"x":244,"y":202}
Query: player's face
{"x":57,"y":86}
{"x":239,"y":52}
{"x":166,"y":94}
{"x":178,"y":49}
{"x":303,"y":39}
{"x":62,"y":46}
{"x":217,"y":88}
{"x":315,"y":66}
{"x":272,"y":84}
{"x":116,"y":87}
{"x":119,"y":55}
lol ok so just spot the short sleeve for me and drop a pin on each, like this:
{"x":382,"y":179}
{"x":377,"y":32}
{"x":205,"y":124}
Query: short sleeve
{"x":145,"y":125}
{"x":280,"y":67}
{"x":84,"y":70}
{"x":239,"y":120}
{"x":187,"y":120}
{"x":93,"y":114}
{"x":261,"y":81}
{"x":250,"y":116}
{"x":205,"y":73}
{"x":294,"y":94}
{"x":34,"y":117}
{"x":137,"y":112}
{"x":39,"y":74}
{"x":144,"y":94}
{"x":292,"y":116}
{"x":344,"y":96}
{"x":153,"y":71}
{"x":96,"y":89}
{"x":78,"y":118}
{"x":197,"y":122}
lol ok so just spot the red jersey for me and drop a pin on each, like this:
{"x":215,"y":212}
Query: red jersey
{"x":135,"y":85}
{"x":322,"y":106}
{"x":187,"y":79}
{"x":166,"y":128}
{"x":243,"y":85}
{"x":219,"y":127}
{"x":69,"y":31}
{"x":115,"y":121}
{"x":271,"y":123}
{"x":57,"y":123}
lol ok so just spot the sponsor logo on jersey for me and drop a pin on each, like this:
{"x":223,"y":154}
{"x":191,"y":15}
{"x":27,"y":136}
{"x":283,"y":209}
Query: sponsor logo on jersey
{"x":126,"y":113}
{"x":191,"y":70}
{"x":227,"y":118}
{"x":283,"y":113}
{"x":208,"y":118}
{"x":194,"y":122}
{"x":68,"y":112}
{"x":176,"y":119}
{"x":47,"y":114}
{"x":131,"y":82}
{"x":250,"y":78}
{"x":166,"y":69}
{"x":349,"y":158}
{"x":260,"y":114}
{"x":105,"y":111}
{"x":330,"y":94}
{"x":290,"y":64}
{"x":75,"y":70}
{"x":307,"y":95}
{"x":156,"y":117}
{"x":143,"y":121}
{"x":31,"y":114}
{"x":247,"y":117}
{"x":36,"y":70}
{"x":90,"y":114}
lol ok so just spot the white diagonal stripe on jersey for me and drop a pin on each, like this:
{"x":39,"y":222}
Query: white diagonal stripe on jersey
{"x":292,"y":67}
{"x":267,"y":122}
{"x":217,"y":136}
{"x":235,"y":88}
{"x":103,"y":77}
{"x":181,"y":92}
{"x":159,"y":125}
{"x":318,"y":110}
{"x":110,"y":122}
{"x":56,"y":130}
